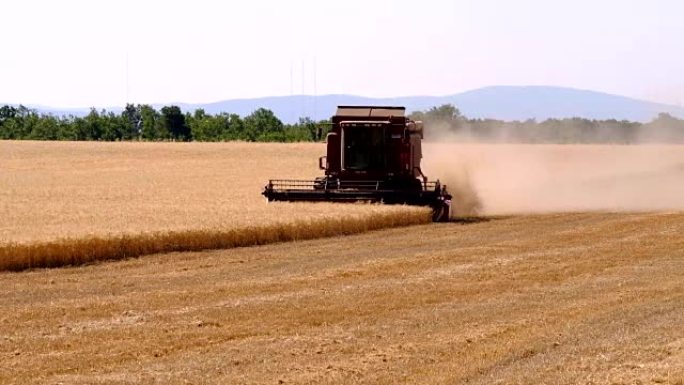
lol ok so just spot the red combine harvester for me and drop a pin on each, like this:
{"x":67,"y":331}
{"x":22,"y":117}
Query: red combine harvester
{"x":373,"y":154}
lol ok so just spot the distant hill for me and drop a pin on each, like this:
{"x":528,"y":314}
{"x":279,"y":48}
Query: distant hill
{"x":499,"y":102}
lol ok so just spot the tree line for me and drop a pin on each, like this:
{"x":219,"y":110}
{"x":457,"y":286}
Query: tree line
{"x":447,"y":123}
{"x":143,"y":122}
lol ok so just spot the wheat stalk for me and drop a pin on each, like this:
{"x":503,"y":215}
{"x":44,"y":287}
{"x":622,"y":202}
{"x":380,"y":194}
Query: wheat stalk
{"x":78,"y":251}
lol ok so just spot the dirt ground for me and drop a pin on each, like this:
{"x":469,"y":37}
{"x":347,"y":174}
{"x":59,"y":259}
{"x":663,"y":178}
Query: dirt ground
{"x":555,"y":299}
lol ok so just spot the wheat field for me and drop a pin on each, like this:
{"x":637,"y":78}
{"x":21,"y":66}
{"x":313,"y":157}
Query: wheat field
{"x":526,"y":294}
{"x":70,"y":202}
{"x":53,"y":190}
{"x":66,"y":203}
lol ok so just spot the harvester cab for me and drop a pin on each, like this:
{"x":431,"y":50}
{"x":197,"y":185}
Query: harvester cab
{"x":373,"y":154}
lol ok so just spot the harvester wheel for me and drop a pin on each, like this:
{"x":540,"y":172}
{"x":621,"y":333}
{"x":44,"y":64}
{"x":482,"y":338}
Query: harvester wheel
{"x":440,"y":213}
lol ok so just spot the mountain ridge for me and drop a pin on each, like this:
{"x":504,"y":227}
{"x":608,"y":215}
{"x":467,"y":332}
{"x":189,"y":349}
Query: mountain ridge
{"x":493,"y":102}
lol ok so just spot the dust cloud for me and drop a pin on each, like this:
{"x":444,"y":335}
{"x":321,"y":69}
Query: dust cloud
{"x":494,"y":179}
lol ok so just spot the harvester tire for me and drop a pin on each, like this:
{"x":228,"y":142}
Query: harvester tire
{"x":440,"y":213}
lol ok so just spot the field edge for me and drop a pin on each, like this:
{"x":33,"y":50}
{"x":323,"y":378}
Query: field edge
{"x":79,"y":251}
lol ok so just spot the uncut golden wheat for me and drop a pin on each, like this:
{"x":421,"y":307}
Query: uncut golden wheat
{"x":77,"y":251}
{"x":66,"y":202}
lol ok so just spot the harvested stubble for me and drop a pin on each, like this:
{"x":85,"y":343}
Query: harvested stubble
{"x":72,"y":203}
{"x":540,"y":299}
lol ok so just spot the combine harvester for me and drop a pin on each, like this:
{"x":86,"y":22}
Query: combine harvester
{"x":373,"y":155}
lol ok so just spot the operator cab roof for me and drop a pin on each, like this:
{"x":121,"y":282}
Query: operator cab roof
{"x":370,"y":111}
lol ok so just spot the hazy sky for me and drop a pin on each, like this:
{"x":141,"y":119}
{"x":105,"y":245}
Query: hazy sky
{"x":103,"y":53}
